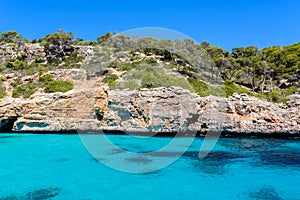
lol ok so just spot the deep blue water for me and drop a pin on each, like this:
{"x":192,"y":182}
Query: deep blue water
{"x":59,"y":167}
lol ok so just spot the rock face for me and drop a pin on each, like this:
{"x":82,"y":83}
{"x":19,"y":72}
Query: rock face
{"x":92,"y":106}
{"x":30,"y":52}
{"x":175,"y":109}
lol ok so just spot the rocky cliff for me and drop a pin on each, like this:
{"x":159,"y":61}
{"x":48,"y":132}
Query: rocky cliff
{"x":95,"y":106}
{"x":91,"y":105}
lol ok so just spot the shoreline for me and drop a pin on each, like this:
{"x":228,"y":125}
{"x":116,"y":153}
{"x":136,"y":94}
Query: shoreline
{"x":165,"y":134}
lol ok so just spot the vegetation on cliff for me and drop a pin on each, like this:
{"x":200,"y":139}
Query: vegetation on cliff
{"x":45,"y":82}
{"x":271,"y":73}
{"x":2,"y":89}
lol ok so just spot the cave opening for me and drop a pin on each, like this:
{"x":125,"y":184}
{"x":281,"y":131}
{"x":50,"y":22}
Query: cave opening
{"x":7,"y":125}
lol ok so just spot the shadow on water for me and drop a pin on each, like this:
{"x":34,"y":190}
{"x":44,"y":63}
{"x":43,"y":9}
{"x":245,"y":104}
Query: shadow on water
{"x":116,"y":151}
{"x":251,"y":144}
{"x":267,"y":152}
{"x":279,"y":158}
{"x":263,"y":193}
{"x":97,"y":160}
{"x":62,"y":160}
{"x":215,"y":162}
{"x":130,"y":147}
{"x":9,"y":136}
{"x":139,"y":160}
{"x":40,"y":194}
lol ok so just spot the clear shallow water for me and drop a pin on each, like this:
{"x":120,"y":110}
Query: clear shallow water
{"x":59,"y":167}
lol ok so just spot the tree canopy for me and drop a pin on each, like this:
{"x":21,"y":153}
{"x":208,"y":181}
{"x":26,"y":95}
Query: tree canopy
{"x":10,"y":37}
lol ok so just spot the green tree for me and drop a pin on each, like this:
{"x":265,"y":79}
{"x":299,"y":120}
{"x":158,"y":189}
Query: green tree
{"x":102,"y":38}
{"x":10,"y":37}
{"x":59,"y":38}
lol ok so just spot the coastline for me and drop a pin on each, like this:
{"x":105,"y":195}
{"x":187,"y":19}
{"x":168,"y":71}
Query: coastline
{"x":92,"y":103}
{"x":223,"y":134}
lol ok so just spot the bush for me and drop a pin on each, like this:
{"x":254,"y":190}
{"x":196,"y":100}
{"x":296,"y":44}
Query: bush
{"x":151,"y":76}
{"x":2,"y":78}
{"x":280,"y":96}
{"x":25,"y":90}
{"x":14,"y":84}
{"x":10,"y":37}
{"x":16,"y":64}
{"x":200,"y":87}
{"x":58,"y":86}
{"x":59,"y":38}
{"x":231,"y":88}
{"x":54,"y":61}
{"x":127,"y":66}
{"x":132,"y":85}
{"x":46,"y":78}
{"x":203,"y":89}
{"x":110,"y":79}
{"x":151,"y":61}
{"x":149,"y":85}
{"x":39,"y":60}
{"x":73,"y":60}
{"x":45,"y":82}
{"x":40,"y":70}
{"x":2,"y":94}
{"x":2,"y":90}
{"x":275,"y":96}
{"x":115,"y":64}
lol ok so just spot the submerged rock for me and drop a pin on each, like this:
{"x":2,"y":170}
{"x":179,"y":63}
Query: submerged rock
{"x":40,"y":194}
{"x":265,"y":193}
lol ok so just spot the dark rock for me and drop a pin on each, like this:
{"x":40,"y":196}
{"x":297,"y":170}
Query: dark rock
{"x":279,"y":158}
{"x":265,"y":193}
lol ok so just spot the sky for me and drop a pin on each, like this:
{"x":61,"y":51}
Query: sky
{"x":227,"y":23}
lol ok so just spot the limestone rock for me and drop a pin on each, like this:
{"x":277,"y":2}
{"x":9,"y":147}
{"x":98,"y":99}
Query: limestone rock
{"x":92,"y":106}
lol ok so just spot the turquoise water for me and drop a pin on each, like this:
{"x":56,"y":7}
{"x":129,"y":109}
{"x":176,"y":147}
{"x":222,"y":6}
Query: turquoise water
{"x":59,"y":167}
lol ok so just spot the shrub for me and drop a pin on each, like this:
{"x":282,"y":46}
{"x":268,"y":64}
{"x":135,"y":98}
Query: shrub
{"x":127,"y":66}
{"x":46,"y":78}
{"x":133,"y":85}
{"x":151,"y":61}
{"x":151,"y":76}
{"x":2,"y":78}
{"x":25,"y":90}
{"x":54,"y":61}
{"x":58,"y":86}
{"x":59,"y":38}
{"x":200,"y":87}
{"x":280,"y":96}
{"x":14,"y":84}
{"x":231,"y":88}
{"x":39,"y":60}
{"x":2,"y":90}
{"x":86,"y":43}
{"x":30,"y":71}
{"x":2,"y":94}
{"x":115,"y":64}
{"x":16,"y":64}
{"x":10,"y":37}
{"x":73,"y":60}
{"x":40,"y":70}
{"x":110,"y":79}
{"x":204,"y":89}
{"x":149,"y":85}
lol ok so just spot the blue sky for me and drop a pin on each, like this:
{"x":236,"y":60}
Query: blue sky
{"x":227,"y":23}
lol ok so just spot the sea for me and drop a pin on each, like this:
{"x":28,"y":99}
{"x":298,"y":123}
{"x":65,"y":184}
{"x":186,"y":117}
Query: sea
{"x":61,"y":166}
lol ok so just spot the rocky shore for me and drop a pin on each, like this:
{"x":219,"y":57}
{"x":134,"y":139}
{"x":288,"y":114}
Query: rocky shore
{"x":91,"y":105}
